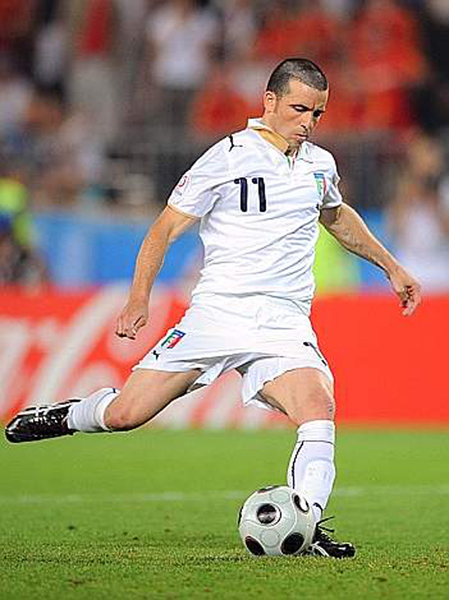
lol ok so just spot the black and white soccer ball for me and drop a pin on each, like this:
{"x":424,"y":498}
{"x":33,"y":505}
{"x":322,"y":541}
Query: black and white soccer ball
{"x":276,"y":521}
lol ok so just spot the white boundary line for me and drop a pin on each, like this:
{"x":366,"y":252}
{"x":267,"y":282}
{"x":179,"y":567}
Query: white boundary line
{"x":378,"y":490}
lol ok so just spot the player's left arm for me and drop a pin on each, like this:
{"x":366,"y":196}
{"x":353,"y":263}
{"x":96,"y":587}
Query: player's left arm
{"x":349,"y":229}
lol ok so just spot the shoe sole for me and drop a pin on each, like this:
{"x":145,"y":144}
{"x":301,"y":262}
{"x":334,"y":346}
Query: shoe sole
{"x":319,"y":551}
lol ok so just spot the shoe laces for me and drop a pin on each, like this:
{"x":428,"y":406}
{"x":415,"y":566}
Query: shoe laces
{"x":324,"y":531}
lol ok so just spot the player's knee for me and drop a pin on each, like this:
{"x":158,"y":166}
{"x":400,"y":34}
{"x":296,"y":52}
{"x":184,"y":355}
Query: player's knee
{"x":120,"y":418}
{"x":318,"y":404}
{"x":329,"y":406}
{"x":322,"y":403}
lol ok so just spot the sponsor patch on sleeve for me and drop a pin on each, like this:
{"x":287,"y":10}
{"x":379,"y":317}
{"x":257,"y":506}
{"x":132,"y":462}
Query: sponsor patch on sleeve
{"x":183,"y":184}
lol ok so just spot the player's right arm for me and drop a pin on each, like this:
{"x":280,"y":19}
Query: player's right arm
{"x":190,"y":200}
{"x":170,"y":224}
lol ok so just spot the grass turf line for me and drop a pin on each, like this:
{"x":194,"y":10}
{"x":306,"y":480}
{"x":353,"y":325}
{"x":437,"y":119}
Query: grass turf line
{"x":87,"y":517}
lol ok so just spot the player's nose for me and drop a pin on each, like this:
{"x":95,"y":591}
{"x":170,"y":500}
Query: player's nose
{"x":306,"y":120}
{"x":310,"y":119}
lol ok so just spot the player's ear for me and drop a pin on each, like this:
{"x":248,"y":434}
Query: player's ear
{"x":269,"y":101}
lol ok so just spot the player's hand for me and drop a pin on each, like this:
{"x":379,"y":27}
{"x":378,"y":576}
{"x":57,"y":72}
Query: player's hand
{"x":407,"y":288}
{"x":133,"y":316}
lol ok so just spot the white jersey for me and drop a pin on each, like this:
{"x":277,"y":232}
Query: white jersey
{"x":259,"y":211}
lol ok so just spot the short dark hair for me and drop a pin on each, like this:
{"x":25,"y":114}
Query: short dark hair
{"x":302,"y":69}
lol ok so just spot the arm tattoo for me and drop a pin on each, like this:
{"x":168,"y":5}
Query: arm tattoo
{"x":352,"y":233}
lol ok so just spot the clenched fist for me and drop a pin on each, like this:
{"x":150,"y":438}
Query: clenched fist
{"x":133,"y":316}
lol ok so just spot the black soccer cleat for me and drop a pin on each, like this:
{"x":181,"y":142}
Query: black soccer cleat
{"x":324,"y":545}
{"x":40,"y":423}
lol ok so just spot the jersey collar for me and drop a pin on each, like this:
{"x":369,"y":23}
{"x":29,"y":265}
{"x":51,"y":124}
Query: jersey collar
{"x":277,"y":140}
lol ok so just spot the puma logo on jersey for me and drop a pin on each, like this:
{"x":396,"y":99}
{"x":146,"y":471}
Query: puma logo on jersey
{"x":231,"y":139}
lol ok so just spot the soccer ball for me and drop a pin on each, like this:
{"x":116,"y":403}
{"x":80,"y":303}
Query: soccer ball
{"x":276,"y":521}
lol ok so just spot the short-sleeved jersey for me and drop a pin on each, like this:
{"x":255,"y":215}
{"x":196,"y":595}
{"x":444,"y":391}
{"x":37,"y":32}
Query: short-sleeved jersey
{"x":259,"y":211}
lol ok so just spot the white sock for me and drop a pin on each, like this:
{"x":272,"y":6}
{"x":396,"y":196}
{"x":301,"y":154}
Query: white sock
{"x":311,"y":470}
{"x":88,"y":415}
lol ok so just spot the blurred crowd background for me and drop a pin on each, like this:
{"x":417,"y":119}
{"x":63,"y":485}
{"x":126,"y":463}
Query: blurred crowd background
{"x":104,"y":104}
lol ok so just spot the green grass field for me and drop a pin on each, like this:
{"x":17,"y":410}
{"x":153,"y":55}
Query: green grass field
{"x":152,"y":514}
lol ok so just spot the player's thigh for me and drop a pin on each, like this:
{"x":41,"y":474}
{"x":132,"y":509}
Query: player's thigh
{"x":304,"y":394}
{"x":145,"y":394}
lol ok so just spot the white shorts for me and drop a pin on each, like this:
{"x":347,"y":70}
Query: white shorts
{"x":259,"y":336}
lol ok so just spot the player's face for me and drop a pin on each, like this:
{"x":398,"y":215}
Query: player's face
{"x":295,"y":114}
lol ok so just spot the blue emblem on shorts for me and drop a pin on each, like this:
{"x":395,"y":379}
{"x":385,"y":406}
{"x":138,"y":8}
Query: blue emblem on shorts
{"x":172,"y":339}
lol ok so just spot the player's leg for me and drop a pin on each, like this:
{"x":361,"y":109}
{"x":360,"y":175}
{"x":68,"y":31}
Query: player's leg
{"x":143,"y":396}
{"x":306,"y":397}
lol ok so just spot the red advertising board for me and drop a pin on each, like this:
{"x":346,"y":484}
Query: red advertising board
{"x":54,"y":345}
{"x":389,"y":369}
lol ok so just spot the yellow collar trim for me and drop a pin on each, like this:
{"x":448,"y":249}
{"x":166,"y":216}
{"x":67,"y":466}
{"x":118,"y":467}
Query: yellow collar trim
{"x":272,"y":138}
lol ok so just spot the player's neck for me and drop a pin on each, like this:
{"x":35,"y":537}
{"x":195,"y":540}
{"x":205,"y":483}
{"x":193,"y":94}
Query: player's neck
{"x":275,"y":138}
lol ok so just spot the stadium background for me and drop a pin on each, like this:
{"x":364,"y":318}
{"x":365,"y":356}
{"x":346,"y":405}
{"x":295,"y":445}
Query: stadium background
{"x":104,"y":104}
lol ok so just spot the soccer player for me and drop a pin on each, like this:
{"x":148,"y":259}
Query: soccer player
{"x":259,"y":195}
